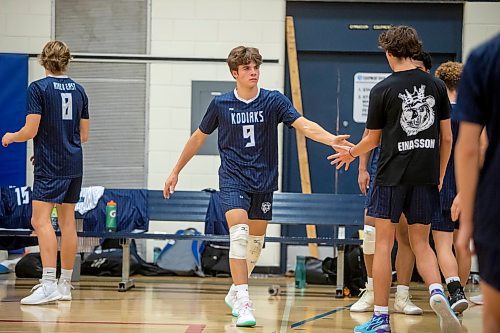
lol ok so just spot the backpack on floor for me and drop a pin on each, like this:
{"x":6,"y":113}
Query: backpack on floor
{"x":182,"y":256}
{"x":215,"y":260}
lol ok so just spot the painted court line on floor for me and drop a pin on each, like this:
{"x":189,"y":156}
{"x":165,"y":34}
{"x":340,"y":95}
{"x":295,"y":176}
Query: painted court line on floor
{"x":297,"y":324}
{"x":290,"y":292}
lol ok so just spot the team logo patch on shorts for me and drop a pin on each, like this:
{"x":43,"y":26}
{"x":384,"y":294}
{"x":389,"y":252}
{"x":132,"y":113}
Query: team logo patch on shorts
{"x":266,"y":206}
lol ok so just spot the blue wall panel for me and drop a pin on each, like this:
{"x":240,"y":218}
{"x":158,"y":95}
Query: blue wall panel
{"x":13,"y":83}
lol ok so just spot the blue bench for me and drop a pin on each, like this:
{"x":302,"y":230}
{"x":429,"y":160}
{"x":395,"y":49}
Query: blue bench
{"x":337,"y":210}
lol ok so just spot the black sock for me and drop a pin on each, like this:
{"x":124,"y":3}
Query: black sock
{"x":453,"y":287}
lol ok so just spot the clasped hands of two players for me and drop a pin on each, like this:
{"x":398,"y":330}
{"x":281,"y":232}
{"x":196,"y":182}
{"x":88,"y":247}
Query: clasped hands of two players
{"x":343,"y":157}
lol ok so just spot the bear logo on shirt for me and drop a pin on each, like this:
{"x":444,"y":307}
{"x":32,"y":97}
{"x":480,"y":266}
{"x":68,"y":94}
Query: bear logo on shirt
{"x":418,"y":112}
{"x":265,"y":207}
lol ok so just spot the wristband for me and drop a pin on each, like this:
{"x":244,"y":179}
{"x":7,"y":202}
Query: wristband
{"x":351,"y":153}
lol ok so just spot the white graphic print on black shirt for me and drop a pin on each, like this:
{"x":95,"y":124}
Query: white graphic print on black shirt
{"x":417,"y":116}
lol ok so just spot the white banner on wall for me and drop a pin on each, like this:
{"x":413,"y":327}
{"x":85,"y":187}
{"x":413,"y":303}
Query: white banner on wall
{"x":363,"y":83}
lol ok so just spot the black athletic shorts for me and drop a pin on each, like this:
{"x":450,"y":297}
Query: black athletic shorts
{"x":57,"y":190}
{"x":419,"y":203}
{"x":258,"y":205}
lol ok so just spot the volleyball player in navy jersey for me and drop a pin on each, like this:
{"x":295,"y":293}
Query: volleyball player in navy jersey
{"x":247,"y":119}
{"x":57,"y":120}
{"x":455,"y":269}
{"x":478,"y":107}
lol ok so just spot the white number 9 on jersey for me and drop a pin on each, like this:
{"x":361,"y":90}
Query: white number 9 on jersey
{"x":249,"y":133}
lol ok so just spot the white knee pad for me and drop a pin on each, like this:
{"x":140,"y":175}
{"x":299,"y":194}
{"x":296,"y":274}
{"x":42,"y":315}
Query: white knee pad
{"x":238,"y":235}
{"x":254,"y":248}
{"x":369,"y":239}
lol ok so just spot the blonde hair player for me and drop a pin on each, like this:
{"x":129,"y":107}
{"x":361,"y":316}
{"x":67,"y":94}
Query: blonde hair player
{"x":57,"y":118}
{"x":247,"y":119}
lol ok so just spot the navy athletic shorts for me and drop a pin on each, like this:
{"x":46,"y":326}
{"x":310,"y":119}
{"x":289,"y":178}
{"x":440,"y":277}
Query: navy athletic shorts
{"x":419,"y":203}
{"x":57,"y":190}
{"x":258,"y":205}
{"x":489,"y":264}
{"x":443,"y":222}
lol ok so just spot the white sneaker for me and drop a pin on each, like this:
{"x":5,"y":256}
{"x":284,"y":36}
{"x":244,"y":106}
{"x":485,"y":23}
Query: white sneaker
{"x":42,"y":293}
{"x":403,"y":304}
{"x":245,"y":315}
{"x":230,"y":300}
{"x":365,"y":303}
{"x":478,"y":299}
{"x":448,"y":321}
{"x":65,"y":287}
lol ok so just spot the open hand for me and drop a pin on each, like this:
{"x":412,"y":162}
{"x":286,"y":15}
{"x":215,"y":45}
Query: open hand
{"x":341,"y":140}
{"x":342,"y":157}
{"x":170,"y":184}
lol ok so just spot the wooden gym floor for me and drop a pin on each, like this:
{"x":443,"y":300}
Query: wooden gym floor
{"x":195,"y":305}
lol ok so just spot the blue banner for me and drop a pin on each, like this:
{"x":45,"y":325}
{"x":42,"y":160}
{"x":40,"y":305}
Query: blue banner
{"x":13,"y":84}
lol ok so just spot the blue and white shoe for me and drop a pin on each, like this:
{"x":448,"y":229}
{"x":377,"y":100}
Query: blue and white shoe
{"x":378,"y":324}
{"x":448,"y":321}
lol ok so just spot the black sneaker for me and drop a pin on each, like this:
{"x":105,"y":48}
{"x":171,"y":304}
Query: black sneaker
{"x":458,"y":302}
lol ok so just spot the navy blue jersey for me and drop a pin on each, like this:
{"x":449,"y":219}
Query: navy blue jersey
{"x":248,"y":138}
{"x":61,"y":102}
{"x":479,"y":102}
{"x":449,"y":188}
{"x":16,"y":207}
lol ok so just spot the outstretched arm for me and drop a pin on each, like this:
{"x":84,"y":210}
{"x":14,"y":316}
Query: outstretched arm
{"x":28,"y":132}
{"x":192,"y":146}
{"x":315,"y":132}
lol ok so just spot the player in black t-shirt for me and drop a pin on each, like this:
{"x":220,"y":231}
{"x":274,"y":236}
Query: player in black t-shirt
{"x":247,"y":119}
{"x":408,"y":114}
{"x":57,"y":119}
{"x":478,"y":106}
{"x":405,"y":259}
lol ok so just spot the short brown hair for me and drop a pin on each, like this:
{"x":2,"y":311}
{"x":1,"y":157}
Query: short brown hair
{"x":401,"y":41}
{"x":55,"y":56}
{"x":242,"y":55}
{"x":450,"y":72}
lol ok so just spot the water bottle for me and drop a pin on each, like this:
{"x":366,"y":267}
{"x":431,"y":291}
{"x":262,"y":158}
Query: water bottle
{"x":300,"y":272}
{"x":156,"y":254}
{"x":111,"y":216}
{"x":54,"y":219}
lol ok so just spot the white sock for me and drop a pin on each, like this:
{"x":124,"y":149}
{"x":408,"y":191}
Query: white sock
{"x":381,"y":310}
{"x":49,"y":274}
{"x":370,"y":282}
{"x":66,"y":274}
{"x":452,"y":278}
{"x":232,"y":290}
{"x":242,"y":292}
{"x":435,"y":286}
{"x":402,"y":289}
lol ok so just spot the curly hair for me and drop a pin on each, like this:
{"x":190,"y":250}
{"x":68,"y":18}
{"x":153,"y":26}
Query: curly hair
{"x":242,"y":55}
{"x":401,"y":41}
{"x":450,"y":72}
{"x":55,"y":56}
